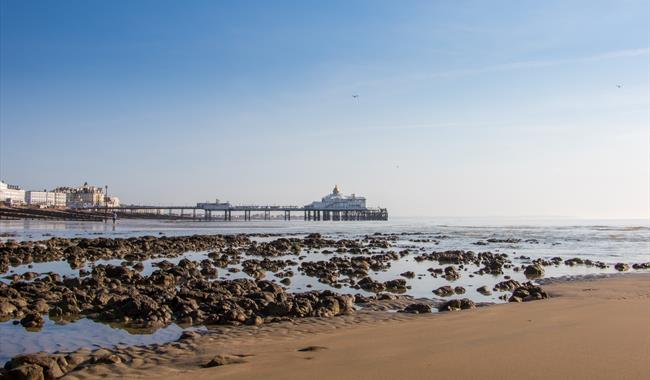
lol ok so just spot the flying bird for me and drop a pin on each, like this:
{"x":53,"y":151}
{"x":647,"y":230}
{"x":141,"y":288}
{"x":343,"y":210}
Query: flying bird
{"x":619,"y":86}
{"x":355,"y":96}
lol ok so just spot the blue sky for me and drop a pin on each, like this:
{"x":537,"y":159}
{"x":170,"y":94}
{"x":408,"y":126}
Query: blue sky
{"x":465,"y":108}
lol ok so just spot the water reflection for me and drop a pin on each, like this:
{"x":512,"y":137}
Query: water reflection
{"x":82,"y":333}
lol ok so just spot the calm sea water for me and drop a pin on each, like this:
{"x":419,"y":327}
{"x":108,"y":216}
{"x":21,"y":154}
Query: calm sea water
{"x":605,"y":240}
{"x":610,"y":241}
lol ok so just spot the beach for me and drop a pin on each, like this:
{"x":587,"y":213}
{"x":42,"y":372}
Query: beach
{"x":396,"y":301}
{"x":588,"y":329}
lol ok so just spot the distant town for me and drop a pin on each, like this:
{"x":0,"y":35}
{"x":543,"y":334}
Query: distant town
{"x":61,"y":197}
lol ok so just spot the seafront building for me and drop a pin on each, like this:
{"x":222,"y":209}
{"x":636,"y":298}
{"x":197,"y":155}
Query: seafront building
{"x":46,"y":198}
{"x":11,"y":194}
{"x":87,"y":196}
{"x":73,"y":197}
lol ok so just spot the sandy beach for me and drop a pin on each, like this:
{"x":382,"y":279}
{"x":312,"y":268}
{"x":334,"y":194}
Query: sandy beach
{"x":588,"y":329}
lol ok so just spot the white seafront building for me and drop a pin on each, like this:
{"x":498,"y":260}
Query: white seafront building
{"x":46,"y":198}
{"x":11,"y":194}
{"x":338,"y":201}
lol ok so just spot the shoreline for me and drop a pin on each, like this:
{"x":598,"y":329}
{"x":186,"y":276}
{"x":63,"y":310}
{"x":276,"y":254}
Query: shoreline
{"x":591,"y":328}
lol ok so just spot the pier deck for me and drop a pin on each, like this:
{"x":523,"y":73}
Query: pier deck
{"x":245,"y":212}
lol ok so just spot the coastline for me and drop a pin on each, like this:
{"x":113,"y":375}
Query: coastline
{"x":595,"y":328}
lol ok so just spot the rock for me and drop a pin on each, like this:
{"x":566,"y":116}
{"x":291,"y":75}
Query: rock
{"x":386,"y":297}
{"x":574,"y":261}
{"x":312,"y":349}
{"x":32,"y":320}
{"x":398,"y":285}
{"x":621,"y":267}
{"x":286,"y":281}
{"x":451,"y":274}
{"x":417,"y":308}
{"x":408,"y":274}
{"x":484,"y":290}
{"x":50,"y":367}
{"x":501,"y":240}
{"x":457,"y":304}
{"x":640,"y":266}
{"x":534,"y":270}
{"x":371,"y":285}
{"x":508,"y":285}
{"x":528,"y":292}
{"x":444,"y":291}
{"x":7,"y":308}
{"x":40,"y":306}
{"x":459,"y":290}
{"x":26,"y":372}
{"x":223,"y":359}
{"x":255,"y":321}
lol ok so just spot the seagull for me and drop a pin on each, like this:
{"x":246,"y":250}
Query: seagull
{"x":355,"y":96}
{"x":618,"y":85}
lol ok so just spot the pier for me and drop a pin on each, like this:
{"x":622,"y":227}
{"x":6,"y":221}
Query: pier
{"x":246,"y":213}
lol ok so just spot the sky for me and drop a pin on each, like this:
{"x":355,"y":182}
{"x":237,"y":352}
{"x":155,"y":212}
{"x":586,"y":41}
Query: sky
{"x":464,"y":108}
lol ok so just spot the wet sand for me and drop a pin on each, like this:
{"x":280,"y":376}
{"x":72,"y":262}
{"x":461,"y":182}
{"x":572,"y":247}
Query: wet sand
{"x":589,"y":329}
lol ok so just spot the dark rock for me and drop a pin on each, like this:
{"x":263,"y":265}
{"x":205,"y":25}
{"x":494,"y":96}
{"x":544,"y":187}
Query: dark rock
{"x":51,"y":368}
{"x":528,"y":292}
{"x":408,"y":274}
{"x":25,"y":372}
{"x":508,"y":285}
{"x":534,"y":271}
{"x":32,"y":320}
{"x":621,"y":267}
{"x":224,"y":359}
{"x":417,"y":308}
{"x":451,"y":274}
{"x":444,"y":291}
{"x":457,"y":304}
{"x":312,"y":349}
{"x":484,"y":290}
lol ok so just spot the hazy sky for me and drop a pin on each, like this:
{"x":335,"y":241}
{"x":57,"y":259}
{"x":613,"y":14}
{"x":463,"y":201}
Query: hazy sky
{"x":465,"y":108}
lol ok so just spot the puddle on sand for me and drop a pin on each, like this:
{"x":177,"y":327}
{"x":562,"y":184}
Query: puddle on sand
{"x":82,"y":333}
